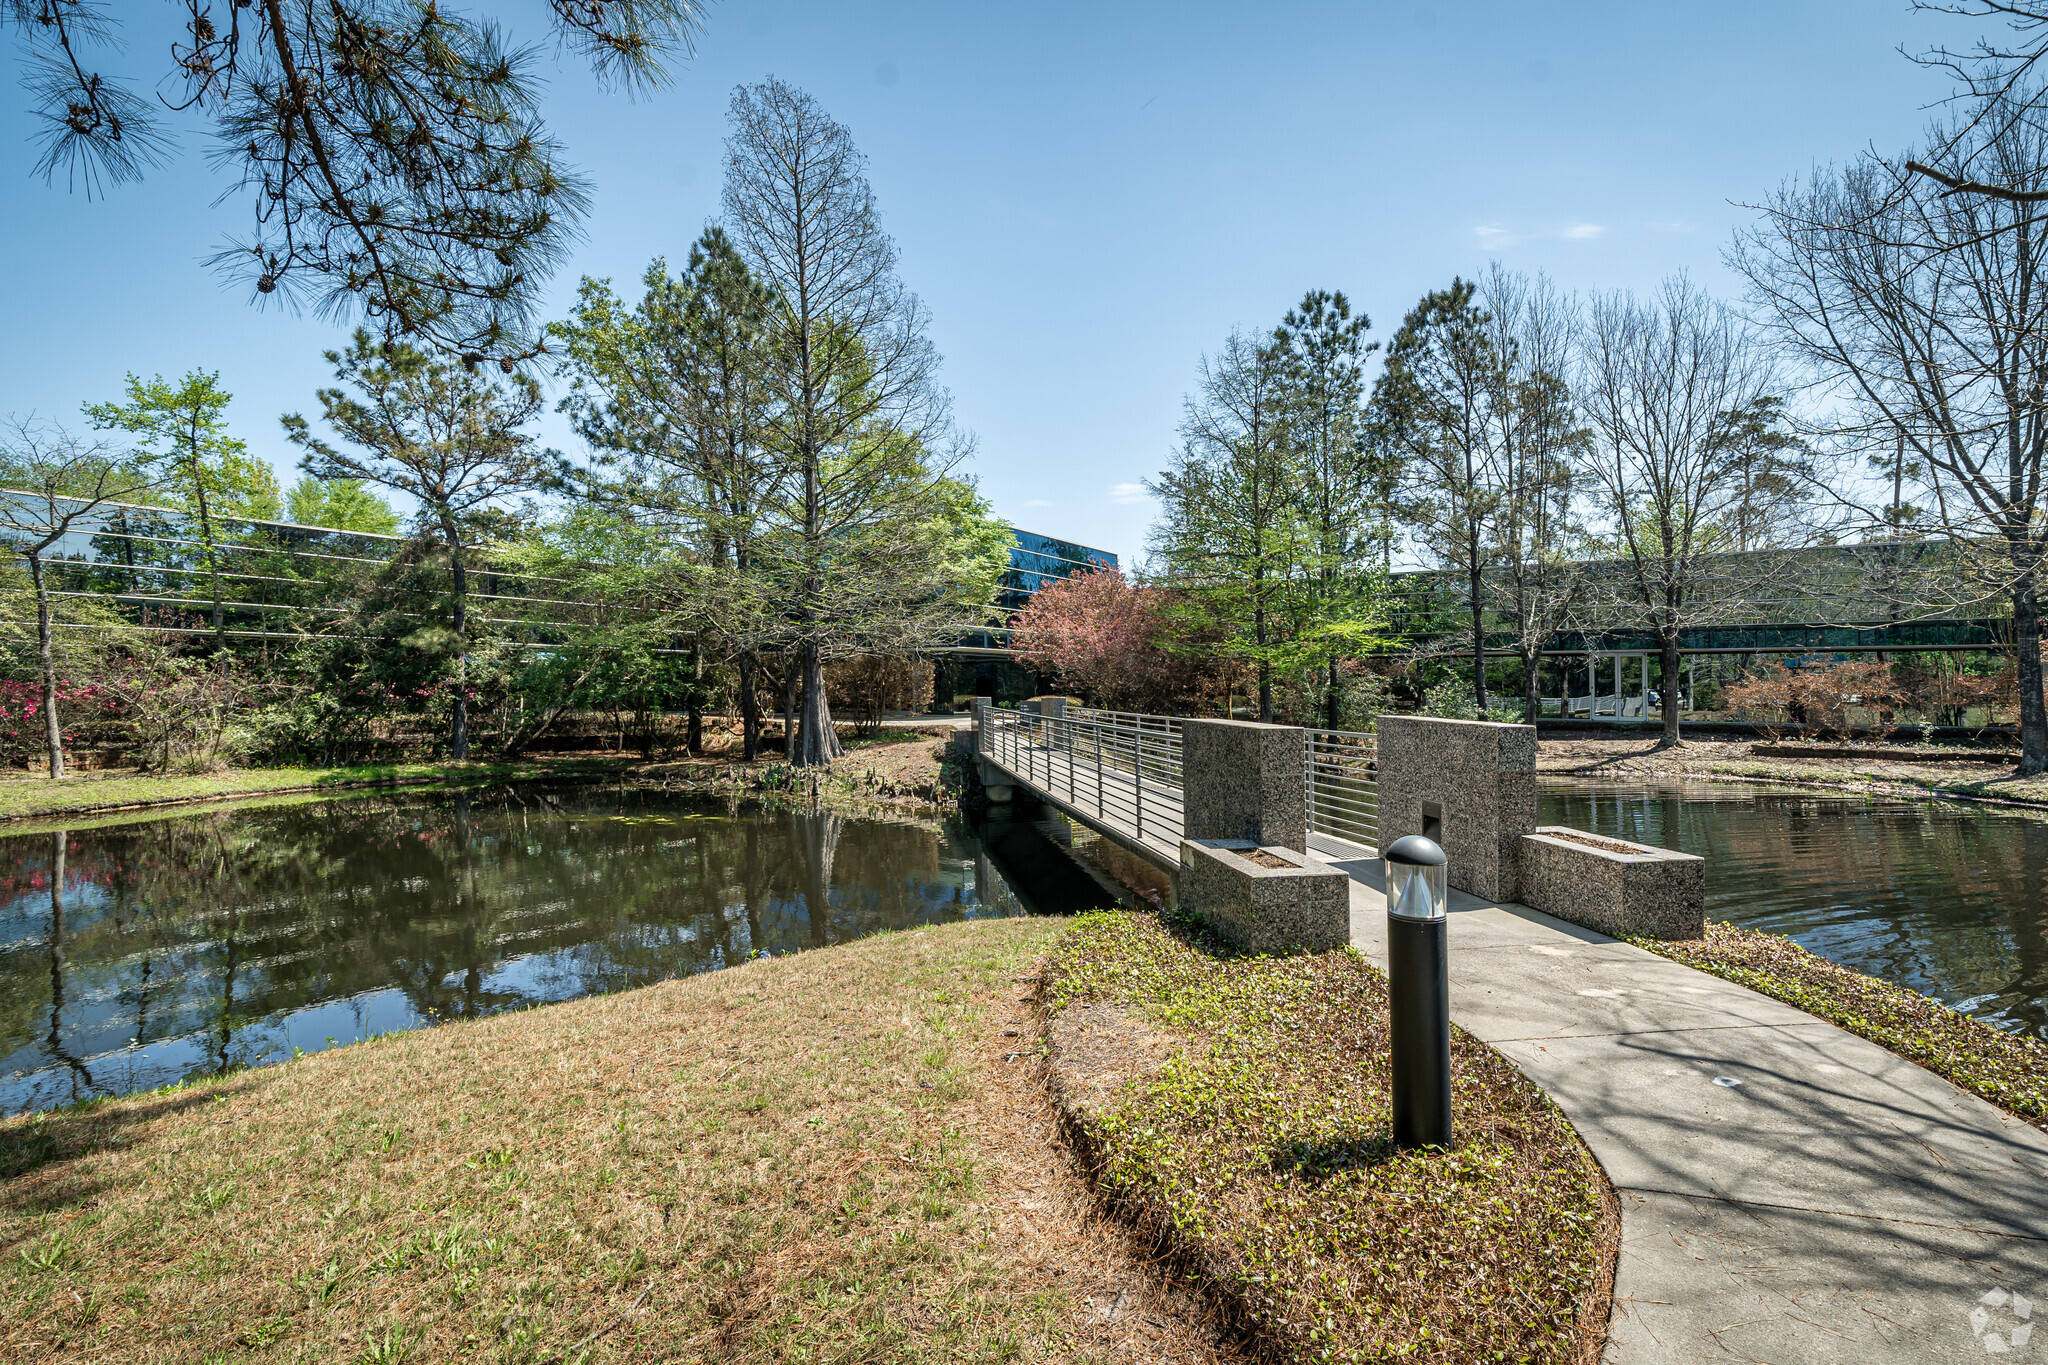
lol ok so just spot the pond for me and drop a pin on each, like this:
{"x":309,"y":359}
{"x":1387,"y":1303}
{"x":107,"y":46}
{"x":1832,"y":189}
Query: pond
{"x":1948,"y":899}
{"x":139,"y":953}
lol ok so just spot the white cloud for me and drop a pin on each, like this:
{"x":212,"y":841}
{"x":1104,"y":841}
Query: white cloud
{"x":1128,"y":493}
{"x":1497,"y":237}
{"x":1038,"y":502}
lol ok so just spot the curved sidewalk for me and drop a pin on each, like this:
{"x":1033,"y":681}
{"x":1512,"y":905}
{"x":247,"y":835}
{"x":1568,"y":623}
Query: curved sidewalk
{"x":1790,"y":1193}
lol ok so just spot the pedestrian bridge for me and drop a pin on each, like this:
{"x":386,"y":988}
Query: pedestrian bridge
{"x":1119,"y":773}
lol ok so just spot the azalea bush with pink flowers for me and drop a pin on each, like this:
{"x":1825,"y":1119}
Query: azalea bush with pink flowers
{"x":86,"y":714}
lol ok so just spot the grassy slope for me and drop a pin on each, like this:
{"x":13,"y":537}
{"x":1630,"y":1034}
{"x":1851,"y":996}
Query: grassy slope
{"x":24,"y":796}
{"x":782,"y":1162}
{"x":1261,"y":1156}
{"x":2004,"y":1068}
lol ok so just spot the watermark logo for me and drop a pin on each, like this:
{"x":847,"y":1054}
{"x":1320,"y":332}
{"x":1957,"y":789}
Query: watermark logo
{"x":2003,"y":1321}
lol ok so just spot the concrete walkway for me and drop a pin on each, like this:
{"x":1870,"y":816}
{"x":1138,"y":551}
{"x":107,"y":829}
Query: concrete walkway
{"x":1790,"y":1193}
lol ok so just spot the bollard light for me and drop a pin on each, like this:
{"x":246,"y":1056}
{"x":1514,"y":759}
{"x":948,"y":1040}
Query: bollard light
{"x":1418,"y":992}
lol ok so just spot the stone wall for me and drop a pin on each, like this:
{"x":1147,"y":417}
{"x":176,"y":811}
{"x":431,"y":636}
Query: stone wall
{"x":1244,"y":780}
{"x":1475,"y":781}
{"x":1304,"y":905}
{"x":1613,"y":886}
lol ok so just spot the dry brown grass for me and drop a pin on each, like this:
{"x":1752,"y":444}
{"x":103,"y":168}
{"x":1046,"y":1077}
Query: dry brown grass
{"x":843,"y":1155}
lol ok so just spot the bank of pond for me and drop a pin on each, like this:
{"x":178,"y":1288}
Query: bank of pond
{"x":138,"y":952}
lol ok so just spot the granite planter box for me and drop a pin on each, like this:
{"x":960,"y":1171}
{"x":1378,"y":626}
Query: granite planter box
{"x":1264,"y":909}
{"x":1613,"y":886}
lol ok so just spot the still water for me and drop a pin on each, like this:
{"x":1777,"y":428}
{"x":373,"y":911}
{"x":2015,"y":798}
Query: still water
{"x":141,"y":953}
{"x":1950,"y":900}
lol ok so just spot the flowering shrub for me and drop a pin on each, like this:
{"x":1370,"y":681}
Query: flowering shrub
{"x":1116,"y":643}
{"x":85,"y":712}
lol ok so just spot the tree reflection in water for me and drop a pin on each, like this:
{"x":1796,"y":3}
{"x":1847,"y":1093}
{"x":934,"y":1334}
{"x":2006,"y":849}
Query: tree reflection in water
{"x":1949,"y":900}
{"x":141,"y":953}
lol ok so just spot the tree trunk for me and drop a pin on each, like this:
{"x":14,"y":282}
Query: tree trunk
{"x":750,"y":710}
{"x":52,"y":731}
{"x":1478,"y":643}
{"x":2026,"y":620}
{"x":693,"y":734}
{"x":458,"y":727}
{"x":1532,"y":687}
{"x":1330,"y":701}
{"x":788,"y":710}
{"x":818,"y":745}
{"x":220,"y":642}
{"x":1265,"y":666}
{"x":1668,"y":656}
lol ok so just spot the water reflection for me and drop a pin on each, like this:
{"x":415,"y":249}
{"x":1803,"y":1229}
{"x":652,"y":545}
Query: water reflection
{"x":1949,"y":900}
{"x":142,"y":953}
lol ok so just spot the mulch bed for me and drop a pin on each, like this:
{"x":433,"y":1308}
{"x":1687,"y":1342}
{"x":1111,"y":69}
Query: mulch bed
{"x":1237,"y":1110}
{"x":1261,"y":857}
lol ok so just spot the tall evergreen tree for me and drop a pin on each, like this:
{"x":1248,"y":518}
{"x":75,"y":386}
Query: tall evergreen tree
{"x":673,"y":392}
{"x":1434,"y":402}
{"x":451,"y":440}
{"x":1322,"y":351}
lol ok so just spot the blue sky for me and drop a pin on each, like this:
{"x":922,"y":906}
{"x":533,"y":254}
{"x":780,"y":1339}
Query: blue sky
{"x":1088,"y":196}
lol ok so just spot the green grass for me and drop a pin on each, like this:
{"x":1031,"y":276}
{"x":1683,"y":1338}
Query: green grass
{"x":802,"y":1159}
{"x":1260,"y":1155}
{"x":26,"y":796}
{"x":2009,"y":1070}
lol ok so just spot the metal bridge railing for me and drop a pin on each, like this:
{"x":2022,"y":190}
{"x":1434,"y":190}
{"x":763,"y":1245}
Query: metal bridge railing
{"x":1122,"y":767}
{"x":1343,"y":785}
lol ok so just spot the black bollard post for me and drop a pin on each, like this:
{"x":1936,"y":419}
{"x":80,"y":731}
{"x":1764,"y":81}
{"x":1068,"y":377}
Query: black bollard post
{"x":1418,"y":993}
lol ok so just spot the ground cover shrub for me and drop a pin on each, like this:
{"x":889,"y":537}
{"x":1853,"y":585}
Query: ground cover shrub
{"x":2009,"y":1070}
{"x":1945,"y":688}
{"x":1260,"y":1155}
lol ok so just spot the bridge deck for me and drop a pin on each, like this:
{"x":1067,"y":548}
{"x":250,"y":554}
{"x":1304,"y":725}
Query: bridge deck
{"x":1144,"y":816}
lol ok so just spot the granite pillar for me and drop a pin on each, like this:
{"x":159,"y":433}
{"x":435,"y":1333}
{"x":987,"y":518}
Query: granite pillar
{"x":1468,"y":784}
{"x":1244,"y":780}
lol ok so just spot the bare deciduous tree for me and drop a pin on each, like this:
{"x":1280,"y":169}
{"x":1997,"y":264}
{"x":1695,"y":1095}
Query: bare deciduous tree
{"x":1535,"y":581}
{"x":1658,"y":379}
{"x":1924,"y":315}
{"x":50,"y":483}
